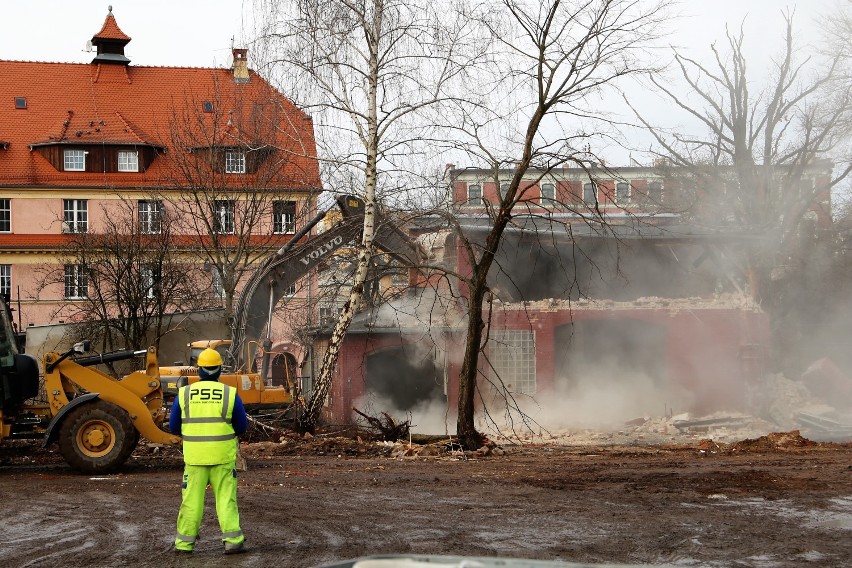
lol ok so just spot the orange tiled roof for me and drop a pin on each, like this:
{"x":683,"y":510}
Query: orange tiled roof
{"x":103,"y":103}
{"x":110,"y":30}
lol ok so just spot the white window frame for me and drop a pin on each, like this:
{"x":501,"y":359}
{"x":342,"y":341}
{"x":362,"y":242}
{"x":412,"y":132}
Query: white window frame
{"x":74,"y":160}
{"x":235,"y":162}
{"x":76,"y":282}
{"x":6,"y":280}
{"x":128,"y":161}
{"x":512,"y":356}
{"x":75,"y":216}
{"x":150,"y":213}
{"x":474,"y":197}
{"x":594,"y":188}
{"x":5,"y":215}
{"x":329,"y":314}
{"x":150,"y":278}
{"x":290,"y":291}
{"x":627,"y":198}
{"x":224,"y":217}
{"x":552,"y":193}
{"x":283,"y":217}
{"x":217,"y":287}
{"x":655,"y":200}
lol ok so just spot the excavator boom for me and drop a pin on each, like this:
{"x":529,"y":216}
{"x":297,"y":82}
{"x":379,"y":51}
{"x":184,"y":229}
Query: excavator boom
{"x":280,"y":272}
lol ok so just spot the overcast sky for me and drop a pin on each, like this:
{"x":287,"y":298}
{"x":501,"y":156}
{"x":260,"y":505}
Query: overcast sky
{"x":199,"y":33}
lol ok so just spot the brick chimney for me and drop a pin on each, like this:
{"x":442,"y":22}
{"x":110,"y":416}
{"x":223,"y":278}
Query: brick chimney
{"x":240,"y":65}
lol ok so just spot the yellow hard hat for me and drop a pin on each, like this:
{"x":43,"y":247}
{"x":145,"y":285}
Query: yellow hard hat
{"x":209,"y":358}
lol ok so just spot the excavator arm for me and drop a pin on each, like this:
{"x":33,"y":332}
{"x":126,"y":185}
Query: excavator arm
{"x":278,"y":273}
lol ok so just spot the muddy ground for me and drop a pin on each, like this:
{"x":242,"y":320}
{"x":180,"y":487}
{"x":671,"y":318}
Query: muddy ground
{"x":774,"y":501}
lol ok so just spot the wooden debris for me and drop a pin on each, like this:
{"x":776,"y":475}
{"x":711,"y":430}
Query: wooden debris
{"x":387,"y":427}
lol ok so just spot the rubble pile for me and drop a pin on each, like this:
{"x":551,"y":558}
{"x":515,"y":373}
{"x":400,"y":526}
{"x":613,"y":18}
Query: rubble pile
{"x":731,"y":301}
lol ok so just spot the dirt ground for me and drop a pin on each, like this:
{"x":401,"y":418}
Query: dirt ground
{"x":774,"y":501}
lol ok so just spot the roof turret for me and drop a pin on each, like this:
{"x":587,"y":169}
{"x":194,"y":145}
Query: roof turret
{"x":110,"y":42}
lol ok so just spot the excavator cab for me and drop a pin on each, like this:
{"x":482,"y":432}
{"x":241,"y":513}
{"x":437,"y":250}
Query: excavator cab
{"x":19,"y":379}
{"x":223,"y":346}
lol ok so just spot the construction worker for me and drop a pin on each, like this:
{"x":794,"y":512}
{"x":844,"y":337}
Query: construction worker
{"x":209,"y":415}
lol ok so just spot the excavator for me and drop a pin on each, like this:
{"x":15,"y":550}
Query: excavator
{"x":266,"y":287}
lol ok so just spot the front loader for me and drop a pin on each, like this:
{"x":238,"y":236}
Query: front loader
{"x":96,"y":419}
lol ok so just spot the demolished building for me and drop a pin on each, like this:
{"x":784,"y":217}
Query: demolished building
{"x":647,"y":314}
{"x":708,"y":348}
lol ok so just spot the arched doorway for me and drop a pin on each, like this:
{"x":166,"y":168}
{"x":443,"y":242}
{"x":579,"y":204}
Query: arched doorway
{"x":283,"y":370}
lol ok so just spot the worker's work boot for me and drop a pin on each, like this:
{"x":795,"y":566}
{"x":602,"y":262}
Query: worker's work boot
{"x":238,"y":548}
{"x":183,"y":551}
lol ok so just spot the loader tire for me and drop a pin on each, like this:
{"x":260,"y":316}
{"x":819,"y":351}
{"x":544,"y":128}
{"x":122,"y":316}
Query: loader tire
{"x":134,"y":441}
{"x":97,"y":437}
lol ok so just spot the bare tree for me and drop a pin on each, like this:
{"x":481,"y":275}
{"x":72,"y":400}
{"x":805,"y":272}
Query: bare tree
{"x":121,"y":279}
{"x":237,"y":154}
{"x":767,"y":159}
{"x":550,"y":60}
{"x":367,"y":69}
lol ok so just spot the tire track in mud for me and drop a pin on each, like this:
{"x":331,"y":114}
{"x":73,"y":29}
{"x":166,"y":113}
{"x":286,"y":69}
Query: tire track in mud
{"x":89,"y":527}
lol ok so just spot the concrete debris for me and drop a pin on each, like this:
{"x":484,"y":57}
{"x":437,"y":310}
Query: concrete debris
{"x":826,"y":428}
{"x":732,"y":301}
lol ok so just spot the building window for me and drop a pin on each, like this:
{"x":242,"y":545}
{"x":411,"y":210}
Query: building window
{"x":290,"y":291}
{"x":622,"y":193}
{"x":548,"y":193}
{"x":235,"y":162}
{"x":399,"y":278}
{"x":655,"y":192}
{"x":75,"y":216}
{"x":283,"y":217}
{"x":150,"y":212}
{"x":151,"y":278}
{"x":75,"y":160}
{"x":590,"y":192}
{"x":223,"y":217}
{"x":217,"y":287}
{"x":128,"y":161}
{"x":512,"y":357}
{"x":504,"y":188}
{"x":76,"y":281}
{"x":474,"y":194}
{"x":6,"y":280}
{"x":328,"y":314}
{"x":5,"y":215}
{"x":21,"y":102}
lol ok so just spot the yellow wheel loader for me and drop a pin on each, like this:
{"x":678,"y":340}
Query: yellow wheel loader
{"x":96,"y":419}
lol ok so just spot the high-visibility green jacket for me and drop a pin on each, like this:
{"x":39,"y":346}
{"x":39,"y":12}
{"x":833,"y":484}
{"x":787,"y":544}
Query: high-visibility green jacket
{"x":208,"y":437}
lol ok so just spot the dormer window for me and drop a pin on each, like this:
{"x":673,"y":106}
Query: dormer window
{"x":128,"y":161}
{"x":75,"y":161}
{"x":235,"y":162}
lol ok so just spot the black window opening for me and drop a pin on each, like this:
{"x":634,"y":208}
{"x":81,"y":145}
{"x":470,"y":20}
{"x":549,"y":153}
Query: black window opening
{"x":284,"y":217}
{"x":21,"y":102}
{"x":207,"y":106}
{"x":5,"y":215}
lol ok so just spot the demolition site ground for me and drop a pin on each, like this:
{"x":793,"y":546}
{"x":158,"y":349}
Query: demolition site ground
{"x":777,"y":500}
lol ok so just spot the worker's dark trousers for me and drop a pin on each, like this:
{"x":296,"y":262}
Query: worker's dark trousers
{"x":223,"y":479}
